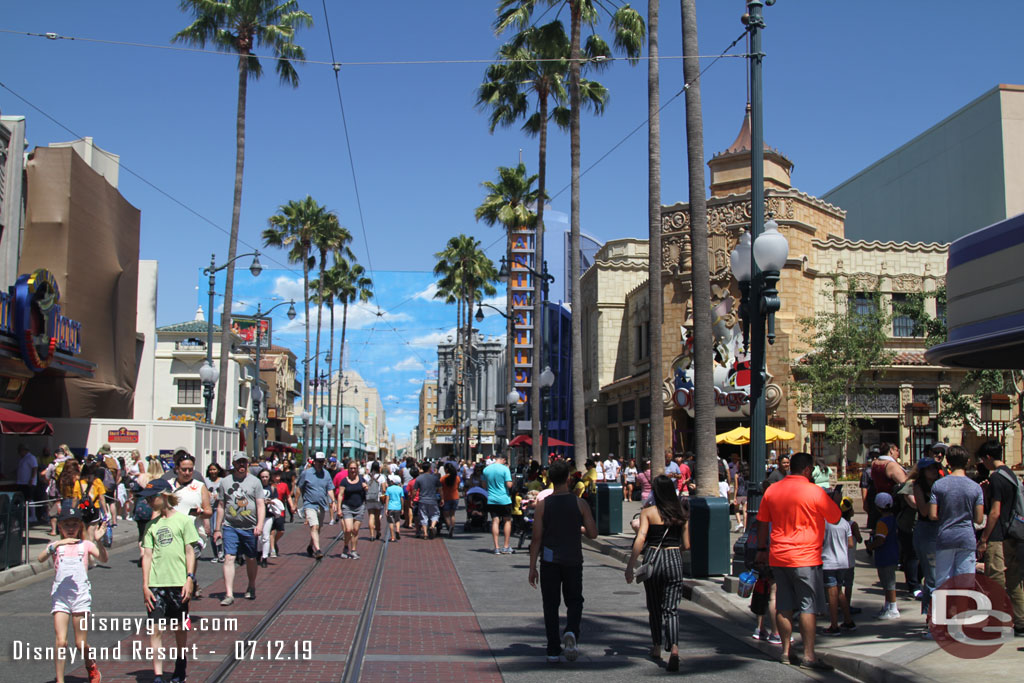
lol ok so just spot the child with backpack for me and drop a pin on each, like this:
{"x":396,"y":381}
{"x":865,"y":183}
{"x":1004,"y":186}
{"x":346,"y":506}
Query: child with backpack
{"x":886,"y":546}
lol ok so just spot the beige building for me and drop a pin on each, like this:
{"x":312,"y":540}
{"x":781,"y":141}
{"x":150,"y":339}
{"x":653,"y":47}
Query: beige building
{"x":616,"y":322}
{"x":427,"y":418}
{"x":366,"y":400}
{"x":277,"y":372}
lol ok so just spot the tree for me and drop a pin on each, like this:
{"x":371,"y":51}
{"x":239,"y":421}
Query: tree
{"x":654,"y":291}
{"x":629,"y":31}
{"x":349,"y":284}
{"x":466,"y":274}
{"x":295,"y":227}
{"x":239,"y":27}
{"x":700,"y":271}
{"x":507,"y":204}
{"x":845,"y":343}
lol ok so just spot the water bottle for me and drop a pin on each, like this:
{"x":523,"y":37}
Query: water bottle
{"x":747,"y":581}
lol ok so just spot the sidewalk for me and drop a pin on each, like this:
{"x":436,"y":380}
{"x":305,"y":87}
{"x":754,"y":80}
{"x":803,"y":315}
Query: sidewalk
{"x":877,"y":651}
{"x":125,"y":533}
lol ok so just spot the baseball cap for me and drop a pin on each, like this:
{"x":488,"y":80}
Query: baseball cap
{"x":104,"y":449}
{"x":240,"y":455}
{"x":155,"y":487}
{"x":845,"y":504}
{"x":938,"y":447}
{"x":883,"y":500}
{"x":320,"y":455}
{"x":926,"y":462}
{"x":70,"y":513}
{"x":874,"y":452}
{"x":395,"y":479}
{"x":182,"y":449}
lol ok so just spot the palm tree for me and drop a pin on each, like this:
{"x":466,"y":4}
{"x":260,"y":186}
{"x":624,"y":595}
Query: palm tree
{"x":629,"y":30}
{"x":350,"y":284}
{"x":295,"y":227}
{"x":467,"y":275}
{"x":703,"y":353}
{"x":508,"y":203}
{"x":535,"y":63}
{"x":329,"y":237}
{"x":654,"y":293}
{"x":239,"y":27}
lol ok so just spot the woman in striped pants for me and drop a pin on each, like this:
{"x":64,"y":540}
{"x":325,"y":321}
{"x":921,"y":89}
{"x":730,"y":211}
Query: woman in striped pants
{"x":663,"y":534}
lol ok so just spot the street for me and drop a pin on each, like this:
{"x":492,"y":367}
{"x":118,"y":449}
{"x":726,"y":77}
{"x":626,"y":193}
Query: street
{"x":429,"y":611}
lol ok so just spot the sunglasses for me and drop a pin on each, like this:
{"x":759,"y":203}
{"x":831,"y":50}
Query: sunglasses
{"x":186,"y":469}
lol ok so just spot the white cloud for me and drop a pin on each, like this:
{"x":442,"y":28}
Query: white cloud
{"x":416,"y":380}
{"x":430,"y":341}
{"x":288,"y":288}
{"x":428,"y":293}
{"x":390,"y":397}
{"x":555,"y":216}
{"x":408,"y":364}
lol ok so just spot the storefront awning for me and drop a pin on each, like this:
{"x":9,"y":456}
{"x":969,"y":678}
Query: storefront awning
{"x":985,"y":299}
{"x":13,"y":422}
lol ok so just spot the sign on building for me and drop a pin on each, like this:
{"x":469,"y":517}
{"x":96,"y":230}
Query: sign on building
{"x":520,"y":281}
{"x":245,"y":328}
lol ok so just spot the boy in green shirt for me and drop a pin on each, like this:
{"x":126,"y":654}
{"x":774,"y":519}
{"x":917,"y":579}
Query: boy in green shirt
{"x":168,"y":573}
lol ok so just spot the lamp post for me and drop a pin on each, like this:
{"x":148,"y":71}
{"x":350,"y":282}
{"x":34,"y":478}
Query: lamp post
{"x":339,"y":434}
{"x":257,"y":393}
{"x":480,"y":417}
{"x":513,"y":403}
{"x":255,"y":268}
{"x":305,"y":408}
{"x":547,"y":378}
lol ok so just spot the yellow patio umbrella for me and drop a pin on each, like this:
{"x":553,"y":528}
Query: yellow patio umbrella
{"x":772,"y":434}
{"x":741,"y":436}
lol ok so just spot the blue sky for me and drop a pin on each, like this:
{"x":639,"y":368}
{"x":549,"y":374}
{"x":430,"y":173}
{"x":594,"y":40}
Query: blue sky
{"x":845,"y":83}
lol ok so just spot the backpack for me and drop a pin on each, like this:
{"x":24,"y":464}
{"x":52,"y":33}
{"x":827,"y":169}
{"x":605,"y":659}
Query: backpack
{"x":1015,"y":529}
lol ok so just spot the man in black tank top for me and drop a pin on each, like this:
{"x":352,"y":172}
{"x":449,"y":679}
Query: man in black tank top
{"x":559,"y":522}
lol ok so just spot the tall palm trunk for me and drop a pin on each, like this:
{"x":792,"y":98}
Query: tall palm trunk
{"x":655,"y":294}
{"x":305,"y":363}
{"x":536,"y":400}
{"x":341,"y":371}
{"x":509,"y":353}
{"x":316,"y":354}
{"x":579,"y":419}
{"x":330,"y":371}
{"x":236,"y":214}
{"x":700,"y":279}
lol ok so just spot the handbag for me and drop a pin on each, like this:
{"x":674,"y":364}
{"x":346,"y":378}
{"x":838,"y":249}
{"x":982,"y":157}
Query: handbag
{"x":646,"y":569}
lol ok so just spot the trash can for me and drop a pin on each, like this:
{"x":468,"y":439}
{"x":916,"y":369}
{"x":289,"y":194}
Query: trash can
{"x":13,"y":544}
{"x":709,"y":537}
{"x":5,"y":504}
{"x":609,"y":508}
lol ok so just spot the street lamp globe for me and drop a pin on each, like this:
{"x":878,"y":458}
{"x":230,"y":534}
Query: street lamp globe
{"x":480,"y":416}
{"x":291,"y":311}
{"x":256,"y":267}
{"x":208,"y":374}
{"x":257,"y":393}
{"x":479,"y":314}
{"x":513,"y":397}
{"x":547,"y":378}
{"x":740,"y":259}
{"x":305,"y":416}
{"x":771,"y":248}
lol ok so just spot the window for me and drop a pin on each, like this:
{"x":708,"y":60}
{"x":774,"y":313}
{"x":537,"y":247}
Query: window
{"x":902,"y":324}
{"x":190,"y":392}
{"x":639,"y":345}
{"x":940,"y":310}
{"x":863,"y":304}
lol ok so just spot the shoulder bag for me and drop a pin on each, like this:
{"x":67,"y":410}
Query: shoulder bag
{"x":646,"y":569}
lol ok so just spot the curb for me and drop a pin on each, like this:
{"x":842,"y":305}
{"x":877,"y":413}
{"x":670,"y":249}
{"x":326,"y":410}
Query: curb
{"x":707,"y":594}
{"x":33,"y":568}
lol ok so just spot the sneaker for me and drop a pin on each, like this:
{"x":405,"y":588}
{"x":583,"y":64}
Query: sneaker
{"x":889,"y":614}
{"x":262,"y":562}
{"x":553,"y":659}
{"x":917,"y":594}
{"x":431,"y":532}
{"x":273,"y":553}
{"x":331,"y":523}
{"x":833,"y":631}
{"x":775,"y":639}
{"x":309,"y":550}
{"x":353,"y":555}
{"x":250,"y":593}
{"x":508,"y":551}
{"x":179,"y":671}
{"x":227,"y":601}
{"x":344,"y":551}
{"x":758,"y":635}
{"x":319,"y":554}
{"x":741,"y":529}
{"x":497,"y":551}
{"x":848,"y":626}
{"x":398,"y":536}
{"x":216,"y":559}
{"x":158,"y":679}
{"x":94,"y":673}
{"x":569,"y":646}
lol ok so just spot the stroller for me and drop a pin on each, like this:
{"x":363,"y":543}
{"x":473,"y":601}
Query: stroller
{"x":476,"y":509}
{"x":525,"y":523}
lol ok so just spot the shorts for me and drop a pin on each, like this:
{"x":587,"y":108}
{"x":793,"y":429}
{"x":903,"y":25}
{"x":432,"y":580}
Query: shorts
{"x":502,"y":511}
{"x":429,"y":512}
{"x":394,"y":516}
{"x":833,"y":577}
{"x":353,"y":513}
{"x":799,"y":589}
{"x":887,"y":577}
{"x":846,"y":577}
{"x":373,"y":506}
{"x":314,"y":516}
{"x":277,"y":524}
{"x":167,"y":603}
{"x":451,"y":505}
{"x":71,"y":601}
{"x":240,"y":542}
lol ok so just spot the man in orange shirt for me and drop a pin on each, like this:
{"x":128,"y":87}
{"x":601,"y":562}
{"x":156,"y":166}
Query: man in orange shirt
{"x":797,"y":510}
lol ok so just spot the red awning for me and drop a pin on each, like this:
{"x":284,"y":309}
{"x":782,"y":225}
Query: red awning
{"x":13,"y":422}
{"x":525,"y":440}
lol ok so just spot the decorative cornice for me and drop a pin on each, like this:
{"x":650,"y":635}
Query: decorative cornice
{"x":836,"y":243}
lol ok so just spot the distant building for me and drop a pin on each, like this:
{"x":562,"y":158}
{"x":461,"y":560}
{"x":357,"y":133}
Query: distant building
{"x":277,"y":372}
{"x":960,"y":175}
{"x":461,"y":397}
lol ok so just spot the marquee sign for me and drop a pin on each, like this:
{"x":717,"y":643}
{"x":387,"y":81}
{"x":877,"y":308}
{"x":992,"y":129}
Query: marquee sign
{"x":123,"y":435}
{"x":31,"y":312}
{"x":520,"y":281}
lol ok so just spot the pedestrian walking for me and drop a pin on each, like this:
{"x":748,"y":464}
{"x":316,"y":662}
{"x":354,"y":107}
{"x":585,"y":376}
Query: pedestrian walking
{"x":926,"y":531}
{"x":661,"y":538}
{"x":957,"y":504}
{"x":835,"y":553}
{"x":274,"y":522}
{"x":241,"y":513}
{"x":168,"y":576}
{"x":629,"y":480}
{"x":71,"y":592}
{"x":193,"y":500}
{"x":450,"y":496}
{"x":393,"y":497}
{"x":557,"y":544}
{"x":214,"y":473}
{"x":794,"y":511}
{"x":498,"y":481}
{"x":999,"y":550}
{"x":376,"y":483}
{"x":428,"y":485}
{"x":885,"y":544}
{"x":317,"y":491}
{"x":352,"y":504}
